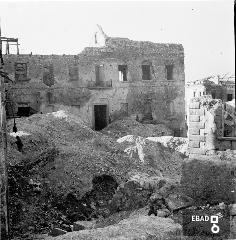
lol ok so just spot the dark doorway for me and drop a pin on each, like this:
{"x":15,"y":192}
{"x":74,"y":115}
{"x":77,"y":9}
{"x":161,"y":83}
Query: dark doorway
{"x":100,"y":117}
{"x":229,"y":97}
{"x":23,"y":111}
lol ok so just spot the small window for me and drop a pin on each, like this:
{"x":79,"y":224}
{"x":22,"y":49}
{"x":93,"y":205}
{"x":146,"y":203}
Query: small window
{"x":122,"y":73}
{"x":146,"y":70}
{"x":99,"y":74}
{"x":169,"y":72}
{"x":194,"y":94}
{"x":229,"y":97}
{"x":200,"y":94}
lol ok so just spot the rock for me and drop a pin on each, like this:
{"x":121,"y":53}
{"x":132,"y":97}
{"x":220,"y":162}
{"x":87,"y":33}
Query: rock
{"x":81,"y":225}
{"x":163,"y":213}
{"x":129,"y":196}
{"x":177,"y":201}
{"x":57,"y":232}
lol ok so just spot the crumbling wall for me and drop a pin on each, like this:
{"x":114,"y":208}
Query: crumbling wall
{"x":205,"y":130}
{"x":71,"y":81}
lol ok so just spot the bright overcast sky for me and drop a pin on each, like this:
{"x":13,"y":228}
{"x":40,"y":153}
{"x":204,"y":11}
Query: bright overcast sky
{"x":204,"y":28}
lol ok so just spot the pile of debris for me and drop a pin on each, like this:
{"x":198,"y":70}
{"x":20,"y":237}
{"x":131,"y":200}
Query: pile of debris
{"x":129,"y":126}
{"x":76,"y":169}
{"x":179,"y":144}
{"x":150,"y":152}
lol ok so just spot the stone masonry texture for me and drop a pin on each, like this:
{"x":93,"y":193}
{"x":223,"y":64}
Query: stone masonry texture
{"x":72,"y":83}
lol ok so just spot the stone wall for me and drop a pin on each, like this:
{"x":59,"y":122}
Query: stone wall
{"x":205,"y":128}
{"x":71,"y":80}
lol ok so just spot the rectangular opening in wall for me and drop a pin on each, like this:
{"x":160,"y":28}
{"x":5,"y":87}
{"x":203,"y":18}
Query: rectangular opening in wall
{"x":229,"y":97}
{"x":169,"y":72}
{"x":100,"y":117}
{"x":48,"y":75}
{"x":146,"y":72}
{"x":23,"y":111}
{"x":122,"y":73}
{"x":99,"y":74}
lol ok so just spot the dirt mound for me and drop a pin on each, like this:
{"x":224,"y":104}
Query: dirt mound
{"x":129,"y":126}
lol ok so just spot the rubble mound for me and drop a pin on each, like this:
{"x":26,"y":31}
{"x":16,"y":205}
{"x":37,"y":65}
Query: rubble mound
{"x":76,"y":168}
{"x":137,"y":227}
{"x":150,"y":152}
{"x":83,"y":153}
{"x":129,"y":126}
{"x":179,"y":144}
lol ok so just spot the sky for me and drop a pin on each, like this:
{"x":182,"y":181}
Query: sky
{"x":205,"y":28}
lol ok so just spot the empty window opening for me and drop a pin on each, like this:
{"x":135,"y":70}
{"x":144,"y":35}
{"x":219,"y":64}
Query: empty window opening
{"x":48,"y":75}
{"x":99,"y":72}
{"x":23,"y":112}
{"x":229,"y":97}
{"x":100,"y":117}
{"x":146,"y":70}
{"x":122,"y":73}
{"x":169,"y":72}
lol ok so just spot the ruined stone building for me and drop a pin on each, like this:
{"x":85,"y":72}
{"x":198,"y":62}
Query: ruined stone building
{"x":114,"y":77}
{"x":216,"y":88}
